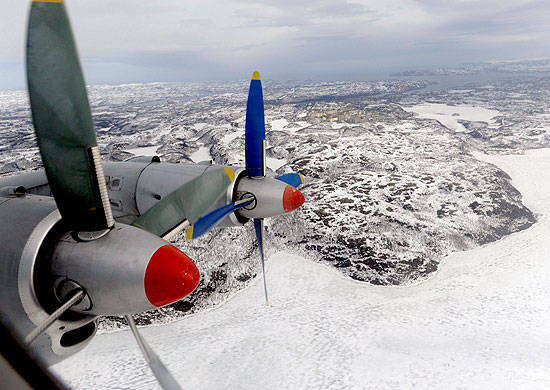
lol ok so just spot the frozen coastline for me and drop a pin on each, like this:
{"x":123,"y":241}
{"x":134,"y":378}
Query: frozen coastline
{"x":479,"y":322}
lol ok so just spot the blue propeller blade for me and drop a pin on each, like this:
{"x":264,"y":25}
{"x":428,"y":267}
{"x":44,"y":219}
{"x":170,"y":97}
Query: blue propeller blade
{"x":210,"y":220}
{"x":259,"y":227}
{"x":294,"y":179}
{"x":255,"y":129}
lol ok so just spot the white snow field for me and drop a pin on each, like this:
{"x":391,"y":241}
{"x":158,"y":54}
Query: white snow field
{"x":448,"y":116}
{"x":203,"y":154}
{"x":481,"y":322}
{"x":144,"y":151}
{"x":274,"y":163}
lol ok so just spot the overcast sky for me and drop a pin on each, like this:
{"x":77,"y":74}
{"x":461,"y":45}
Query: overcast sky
{"x":122,"y":41}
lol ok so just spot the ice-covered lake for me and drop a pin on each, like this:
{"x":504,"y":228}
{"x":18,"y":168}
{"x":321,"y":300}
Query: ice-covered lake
{"x":480,"y":322}
{"x":449,"y":116}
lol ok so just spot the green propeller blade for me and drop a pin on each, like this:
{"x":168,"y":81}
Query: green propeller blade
{"x":62,"y":119}
{"x":186,"y":204}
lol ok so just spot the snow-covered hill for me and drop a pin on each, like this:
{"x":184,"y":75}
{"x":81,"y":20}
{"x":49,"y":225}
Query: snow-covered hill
{"x":480,"y":322}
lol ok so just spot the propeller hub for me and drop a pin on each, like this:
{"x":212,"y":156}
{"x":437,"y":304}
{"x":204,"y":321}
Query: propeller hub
{"x":273,"y":197}
{"x":292,"y":199}
{"x":170,"y":276}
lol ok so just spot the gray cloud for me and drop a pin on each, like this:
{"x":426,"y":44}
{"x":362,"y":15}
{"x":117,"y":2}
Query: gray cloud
{"x":170,"y":39}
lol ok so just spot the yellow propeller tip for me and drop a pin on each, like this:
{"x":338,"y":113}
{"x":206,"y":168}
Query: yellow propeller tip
{"x":189,"y":234}
{"x":256,"y":76}
{"x":230,"y":173}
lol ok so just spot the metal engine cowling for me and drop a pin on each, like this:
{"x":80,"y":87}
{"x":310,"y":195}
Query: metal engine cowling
{"x":124,"y":272}
{"x":25,"y":224}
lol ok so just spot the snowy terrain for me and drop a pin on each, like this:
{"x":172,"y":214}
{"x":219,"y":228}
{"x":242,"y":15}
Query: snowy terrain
{"x":522,"y":104}
{"x":388,"y":193}
{"x":394,"y":182}
{"x":480,"y":322}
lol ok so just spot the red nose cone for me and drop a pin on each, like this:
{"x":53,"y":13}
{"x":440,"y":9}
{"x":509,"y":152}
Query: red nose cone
{"x":170,"y":276}
{"x":292,"y":199}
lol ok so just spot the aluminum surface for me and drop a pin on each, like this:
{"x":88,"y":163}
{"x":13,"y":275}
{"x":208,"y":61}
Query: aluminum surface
{"x":111,"y":269}
{"x":160,"y":179}
{"x":268,"y":193}
{"x":24,"y":226}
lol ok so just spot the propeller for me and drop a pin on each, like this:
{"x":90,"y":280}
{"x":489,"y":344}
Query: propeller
{"x":164,"y":377}
{"x":67,"y":141}
{"x":254,"y":133}
{"x":77,"y":296}
{"x":265,"y":190}
{"x":263,"y":196}
{"x":63,"y":121}
{"x":183,"y":207}
{"x":294,"y":179}
{"x":259,"y":229}
{"x":68,"y":147}
{"x":210,"y":220}
{"x":254,"y":152}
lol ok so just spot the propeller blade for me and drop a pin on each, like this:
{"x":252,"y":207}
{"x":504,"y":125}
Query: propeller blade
{"x":187,"y":203}
{"x":75,"y":298}
{"x":164,"y":377}
{"x":210,"y":220}
{"x":254,"y":147}
{"x":294,"y":179}
{"x":63,"y":121}
{"x":259,"y":228}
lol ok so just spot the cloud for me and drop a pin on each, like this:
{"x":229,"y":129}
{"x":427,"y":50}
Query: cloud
{"x":325,"y":38}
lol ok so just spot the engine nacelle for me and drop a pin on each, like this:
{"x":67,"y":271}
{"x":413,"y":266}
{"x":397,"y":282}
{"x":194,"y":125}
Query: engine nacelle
{"x":271,"y":197}
{"x":124,"y":272}
{"x":25,"y":225}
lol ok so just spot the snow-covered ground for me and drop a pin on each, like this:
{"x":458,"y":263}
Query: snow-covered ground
{"x":448,"y":115}
{"x":144,"y":151}
{"x":274,"y":163}
{"x":283,"y":124}
{"x":480,"y":322}
{"x":203,"y":154}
